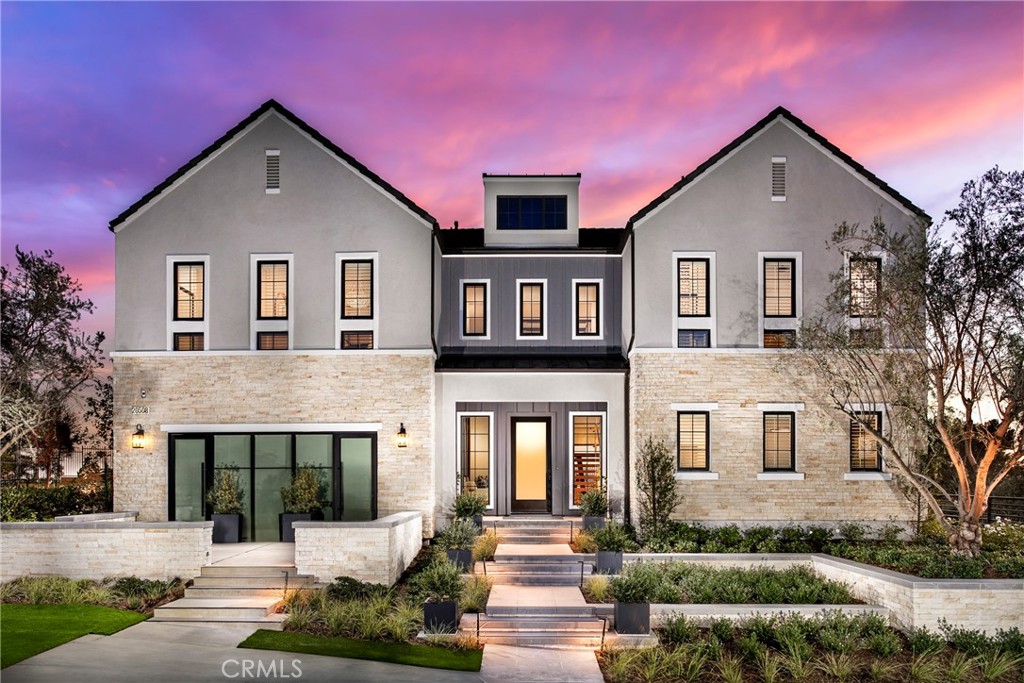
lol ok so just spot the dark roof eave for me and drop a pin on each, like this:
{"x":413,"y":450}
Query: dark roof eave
{"x":303,"y":126}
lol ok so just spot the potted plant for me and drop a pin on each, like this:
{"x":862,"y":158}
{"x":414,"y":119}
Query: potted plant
{"x":458,"y":540}
{"x":225,"y":500}
{"x":304,"y":499}
{"x":632,"y":592}
{"x":611,"y":541}
{"x":594,"y":507}
{"x":470,"y":505}
{"x":441,"y":584}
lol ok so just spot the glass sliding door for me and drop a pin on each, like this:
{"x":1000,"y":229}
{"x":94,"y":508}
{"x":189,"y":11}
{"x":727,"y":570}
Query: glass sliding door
{"x":273,"y":470}
{"x":235,"y":450}
{"x":358,"y":476}
{"x":188,"y":479}
{"x":317,"y":450}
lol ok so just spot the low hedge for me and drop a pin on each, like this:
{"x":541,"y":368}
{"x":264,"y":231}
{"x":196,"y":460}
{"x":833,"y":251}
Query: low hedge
{"x":30,"y":503}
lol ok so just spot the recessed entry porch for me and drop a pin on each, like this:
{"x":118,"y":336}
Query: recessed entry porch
{"x":531,"y":458}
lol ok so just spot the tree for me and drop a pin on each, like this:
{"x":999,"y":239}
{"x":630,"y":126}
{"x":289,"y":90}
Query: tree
{"x":657,"y":494}
{"x":45,"y":360}
{"x":99,"y":413}
{"x":942,"y":352}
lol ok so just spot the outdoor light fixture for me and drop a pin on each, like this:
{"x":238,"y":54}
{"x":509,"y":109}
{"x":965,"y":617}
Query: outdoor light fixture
{"x":402,"y":437}
{"x":139,"y":437}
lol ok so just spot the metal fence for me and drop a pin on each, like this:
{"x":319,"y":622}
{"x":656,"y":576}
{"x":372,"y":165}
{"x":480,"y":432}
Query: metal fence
{"x":1004,"y":507}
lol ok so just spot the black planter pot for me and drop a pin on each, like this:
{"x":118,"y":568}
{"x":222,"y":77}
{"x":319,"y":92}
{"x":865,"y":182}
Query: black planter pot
{"x":227,"y":528}
{"x":440,"y":616}
{"x":463,"y":559}
{"x":479,"y":521}
{"x":287,"y":532}
{"x":592,"y":523}
{"x":632,"y":617}
{"x":609,"y":562}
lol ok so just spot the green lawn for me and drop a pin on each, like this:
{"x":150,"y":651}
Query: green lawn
{"x":397,"y":653}
{"x":27,"y":630}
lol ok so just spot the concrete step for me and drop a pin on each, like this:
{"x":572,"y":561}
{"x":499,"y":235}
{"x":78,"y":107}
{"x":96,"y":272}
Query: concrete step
{"x":517,"y":558}
{"x":259,"y":582}
{"x":201,"y":592}
{"x":535,"y":579}
{"x":536,"y":631}
{"x":495,"y":568}
{"x":535,"y":540}
{"x":533,"y":522}
{"x":568,"y":611}
{"x":275,"y":571}
{"x":212,"y":609}
{"x":271,"y":622}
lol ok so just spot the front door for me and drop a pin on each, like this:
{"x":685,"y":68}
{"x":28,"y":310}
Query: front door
{"x":531,"y":464}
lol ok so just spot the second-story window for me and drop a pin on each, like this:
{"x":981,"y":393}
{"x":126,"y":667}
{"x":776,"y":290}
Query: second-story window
{"x":779,"y":444}
{"x":865,"y":279}
{"x":532,"y":212}
{"x":474,"y":309}
{"x":588,"y":309}
{"x":693,"y":289}
{"x":531,"y":309}
{"x":779,"y":288}
{"x":865,"y":449}
{"x":189,"y":291}
{"x":272,"y":290}
{"x":357,"y":289}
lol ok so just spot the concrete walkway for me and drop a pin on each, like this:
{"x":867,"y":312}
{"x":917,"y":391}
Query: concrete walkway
{"x":253,"y":554}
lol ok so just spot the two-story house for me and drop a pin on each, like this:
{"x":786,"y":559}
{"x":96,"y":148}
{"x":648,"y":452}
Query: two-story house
{"x":279,"y":304}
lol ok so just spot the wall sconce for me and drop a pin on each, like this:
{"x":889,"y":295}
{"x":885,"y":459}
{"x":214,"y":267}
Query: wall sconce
{"x":139,"y":437}
{"x":402,"y":438}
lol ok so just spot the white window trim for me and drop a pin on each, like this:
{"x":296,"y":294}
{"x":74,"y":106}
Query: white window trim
{"x":487,"y":305}
{"x":782,"y":160}
{"x":187,"y":326}
{"x":361,"y":325}
{"x":604,"y":443}
{"x":255,"y":325}
{"x":867,"y":475}
{"x":693,"y":407}
{"x":575,"y":309}
{"x":781,"y":475}
{"x":769,"y":324}
{"x":696,"y":476}
{"x":780,"y":407}
{"x":519,"y":301}
{"x":708,"y":322}
{"x":274,"y":153}
{"x":490,"y":456}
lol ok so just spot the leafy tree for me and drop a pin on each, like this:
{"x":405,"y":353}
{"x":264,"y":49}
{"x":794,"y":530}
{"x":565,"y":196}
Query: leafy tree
{"x":657,"y":494}
{"x":943,"y":352}
{"x":99,"y":413}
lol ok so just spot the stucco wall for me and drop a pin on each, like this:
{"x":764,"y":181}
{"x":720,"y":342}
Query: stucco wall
{"x":95,"y":550}
{"x":276,"y":388}
{"x":376,"y":552}
{"x":737,"y":381}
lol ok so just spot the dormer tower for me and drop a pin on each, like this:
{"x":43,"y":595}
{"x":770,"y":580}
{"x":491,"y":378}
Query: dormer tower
{"x":531,"y":210}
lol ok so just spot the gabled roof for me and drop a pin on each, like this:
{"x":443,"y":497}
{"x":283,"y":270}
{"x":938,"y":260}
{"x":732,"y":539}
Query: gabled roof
{"x":273,"y":105}
{"x":778,"y":112}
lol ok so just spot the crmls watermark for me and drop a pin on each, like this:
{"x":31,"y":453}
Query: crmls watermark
{"x":256,"y":668}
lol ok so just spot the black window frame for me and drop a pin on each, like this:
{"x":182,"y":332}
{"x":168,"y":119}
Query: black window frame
{"x":866,"y":337}
{"x":877,"y":260}
{"x":177,"y":284}
{"x":789,"y":334}
{"x":707,"y":287}
{"x":559,"y":208}
{"x":597,"y":309}
{"x":854,"y":424}
{"x":465,"y":309}
{"x":543,"y":332}
{"x":707,"y":440}
{"x":363,"y":261}
{"x":706,"y":332}
{"x":359,"y":347}
{"x":792,"y":440}
{"x":192,"y":336}
{"x":271,"y":333}
{"x":792,"y":286}
{"x":259,"y":289}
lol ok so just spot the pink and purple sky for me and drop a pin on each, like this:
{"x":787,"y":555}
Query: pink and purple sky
{"x":99,"y":102}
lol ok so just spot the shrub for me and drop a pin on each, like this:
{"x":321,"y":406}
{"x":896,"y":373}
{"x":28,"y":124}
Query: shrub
{"x":791,"y":540}
{"x":461,"y":534}
{"x":1011,"y":641}
{"x":225,"y":496}
{"x":678,"y":630}
{"x":971,"y":642}
{"x":657,"y":494}
{"x":839,"y":633}
{"x":891,"y":534}
{"x":475,"y":592}
{"x":23,"y":503}
{"x":594,"y":503}
{"x":637,"y":583}
{"x":722,"y":629}
{"x":727,"y":539}
{"x":885,"y":644}
{"x":597,"y":587}
{"x":469,"y":504}
{"x":613,"y":537}
{"x":307,"y":492}
{"x":818,"y":538}
{"x":347,"y":588}
{"x":761,"y":539}
{"x":585,"y":543}
{"x":1003,"y":535}
{"x":439,"y":581}
{"x":923,"y":642}
{"x":851,"y":531}
{"x":485,"y":546}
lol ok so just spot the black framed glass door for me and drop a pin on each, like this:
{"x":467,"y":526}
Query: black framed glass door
{"x":531,"y":464}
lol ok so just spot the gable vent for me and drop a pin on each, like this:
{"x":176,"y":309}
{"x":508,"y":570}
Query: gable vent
{"x":273,"y":171}
{"x":778,"y":179}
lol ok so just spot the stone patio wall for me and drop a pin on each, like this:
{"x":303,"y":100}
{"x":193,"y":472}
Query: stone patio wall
{"x":376,"y":552}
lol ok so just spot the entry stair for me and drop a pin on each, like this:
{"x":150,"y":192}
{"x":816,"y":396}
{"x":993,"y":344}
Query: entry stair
{"x":527,"y":561}
{"x":236,"y":594}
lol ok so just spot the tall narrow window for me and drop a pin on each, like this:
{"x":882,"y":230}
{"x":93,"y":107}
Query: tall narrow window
{"x":693,"y":440}
{"x":357,"y":289}
{"x":779,"y":444}
{"x":865,"y":449}
{"x":588,"y":314}
{"x":474,"y":309}
{"x":778,"y":179}
{"x":188,"y":291}
{"x":272,"y":288}
{"x":780,"y":288}
{"x":531,"y":309}
{"x":273,"y":171}
{"x":694,"y":285}
{"x":475,"y":439}
{"x":188,"y":341}
{"x":272,"y":341}
{"x":586,"y":455}
{"x":865,"y":278}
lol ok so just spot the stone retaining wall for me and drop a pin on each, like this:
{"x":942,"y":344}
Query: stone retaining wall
{"x":377,"y":551}
{"x":95,"y":550}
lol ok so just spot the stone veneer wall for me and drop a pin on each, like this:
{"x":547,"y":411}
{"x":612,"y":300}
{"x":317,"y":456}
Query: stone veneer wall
{"x":276,"y":388}
{"x":94,"y":550}
{"x":377,"y":551}
{"x":737,"y":382}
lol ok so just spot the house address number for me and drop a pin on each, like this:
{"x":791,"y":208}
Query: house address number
{"x":140,"y":410}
